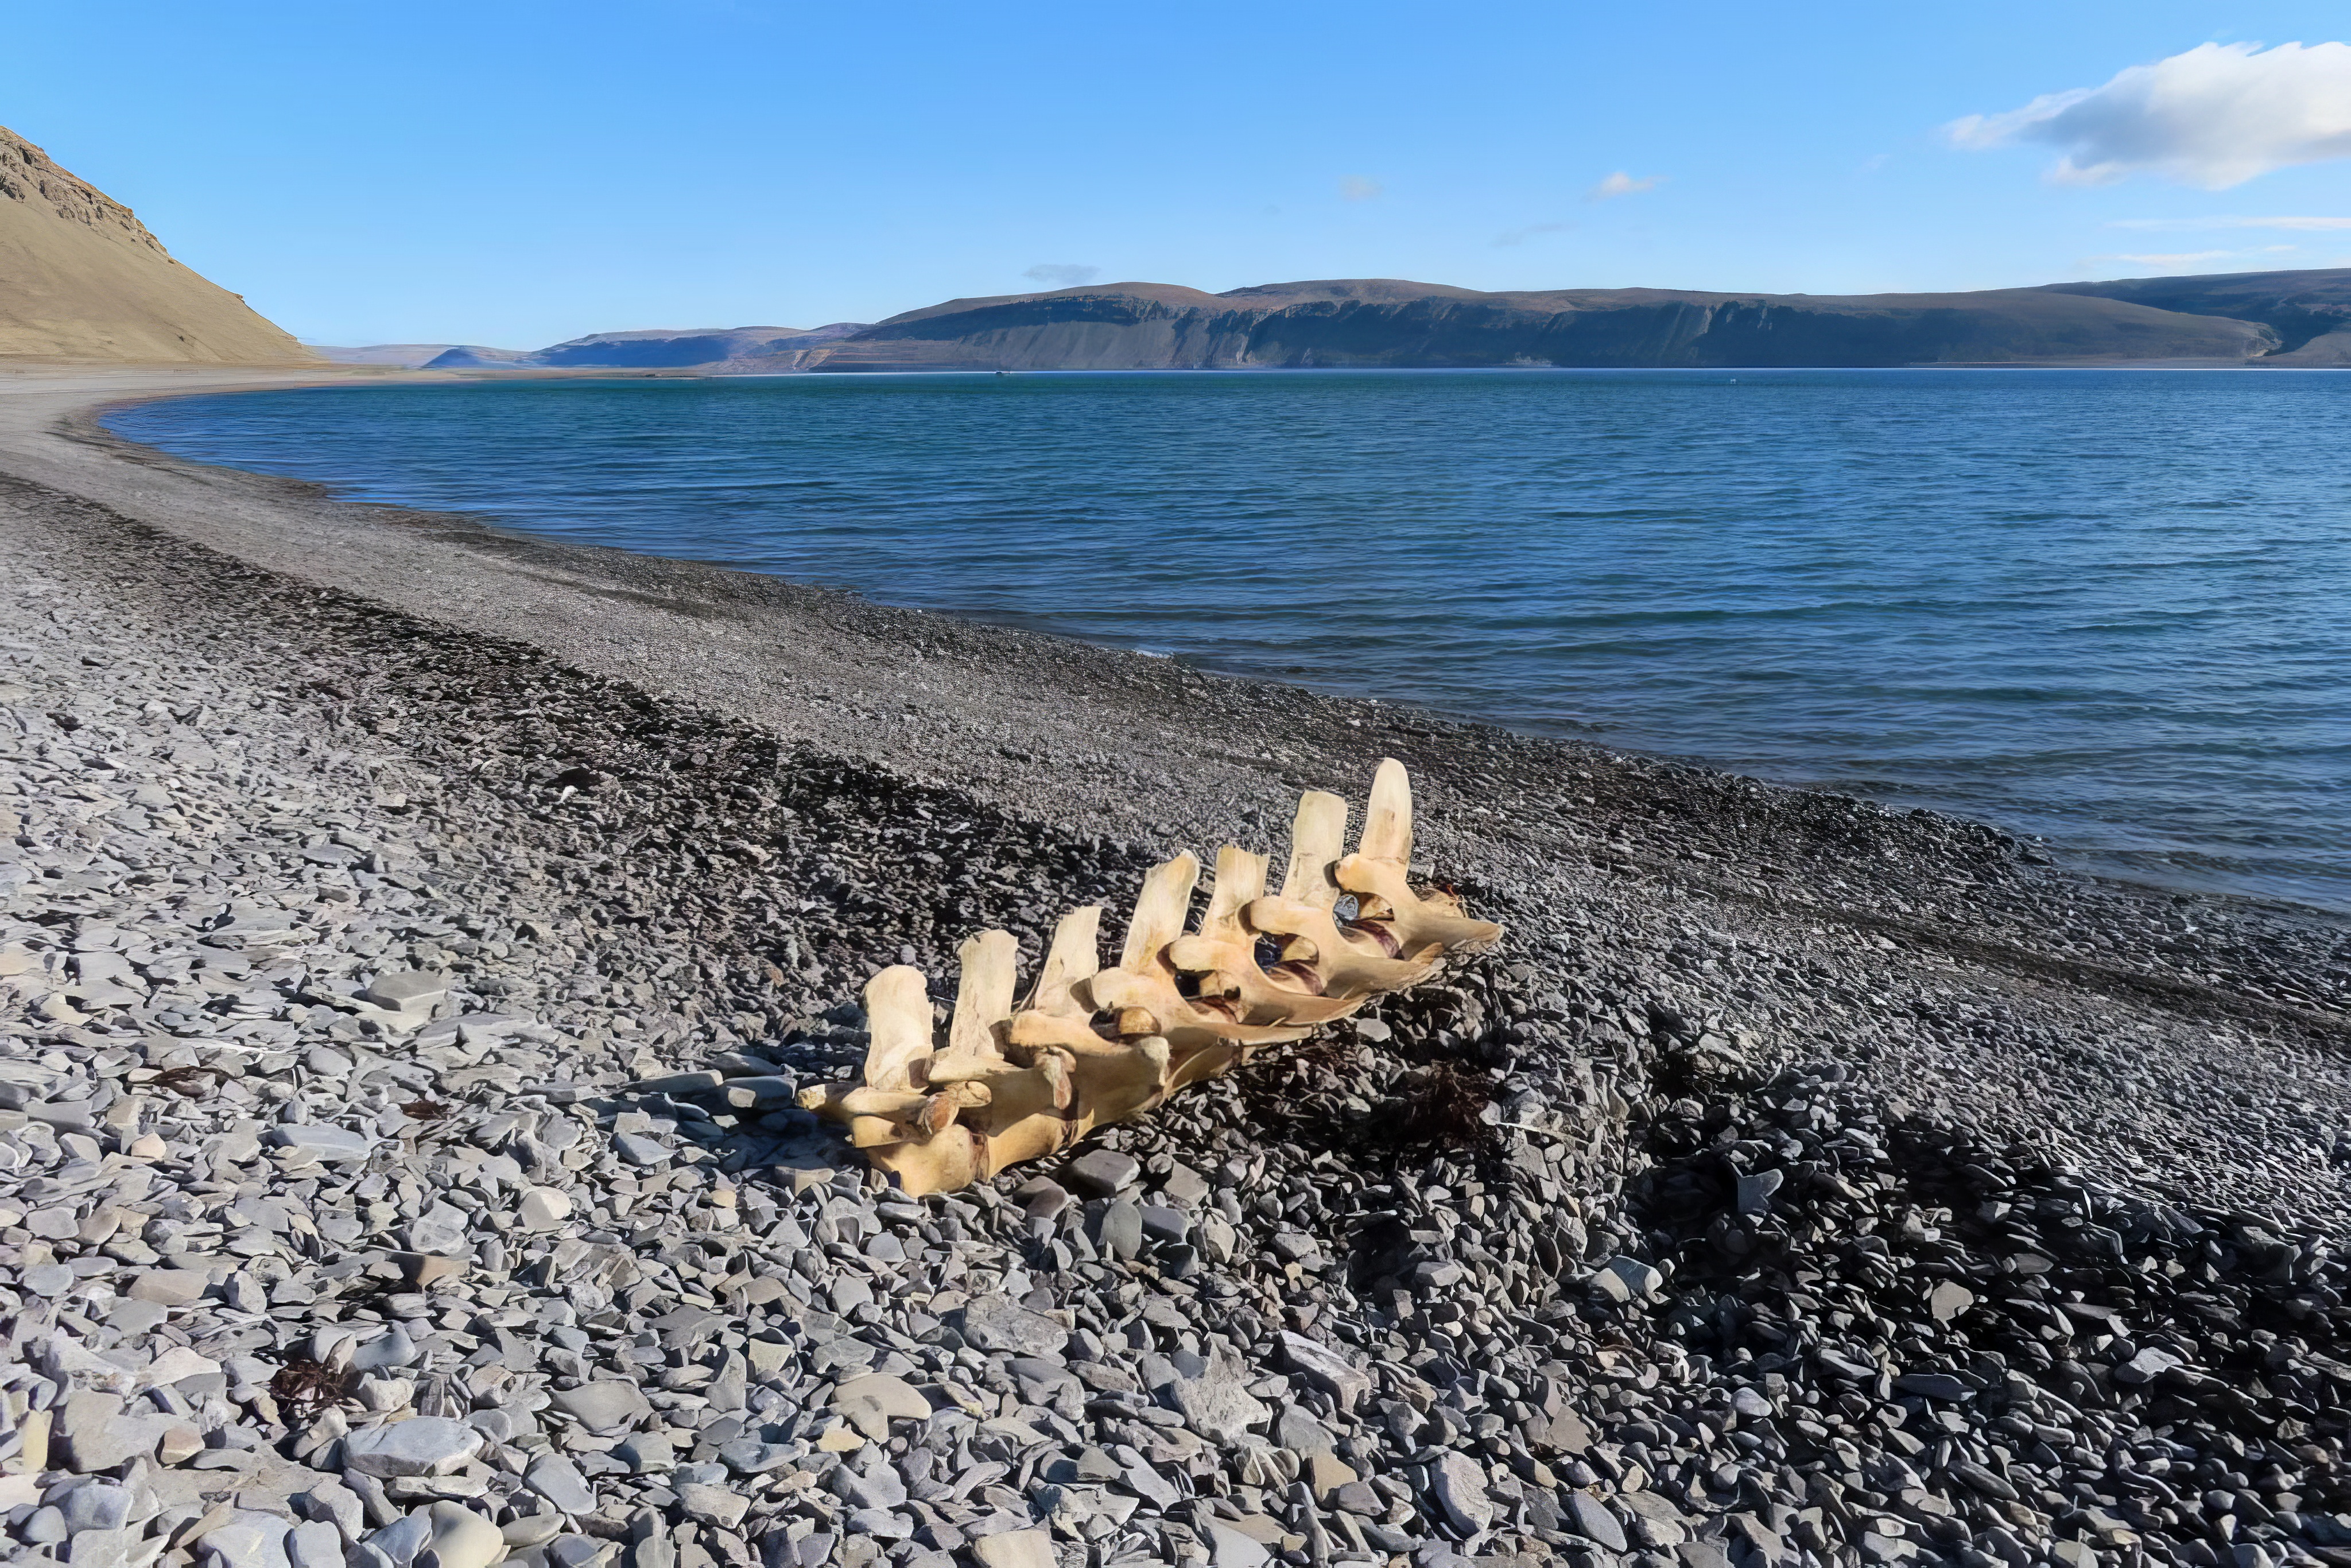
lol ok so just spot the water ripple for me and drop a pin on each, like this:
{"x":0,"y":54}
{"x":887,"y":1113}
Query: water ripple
{"x":2112,"y":608}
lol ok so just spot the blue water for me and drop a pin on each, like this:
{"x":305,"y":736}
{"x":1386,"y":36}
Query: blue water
{"x":2111,"y":608}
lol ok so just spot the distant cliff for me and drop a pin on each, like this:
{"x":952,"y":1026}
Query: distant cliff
{"x":1390,"y":323}
{"x":660,"y":349}
{"x":81,"y":278}
{"x":2309,"y":311}
{"x":2268,"y":317}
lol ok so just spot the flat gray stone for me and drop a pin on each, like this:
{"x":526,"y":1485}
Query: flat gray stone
{"x":1120,"y":1233}
{"x":871,"y":1402}
{"x":99,"y":1505}
{"x":48,"y":1279}
{"x":1326,"y":1369}
{"x":1015,"y":1549}
{"x":403,"y":1538}
{"x":1103,"y":1173}
{"x":1948,"y":1300}
{"x":408,"y":990}
{"x":1460,"y":1489}
{"x":332,"y":1502}
{"x":1593,"y":1520}
{"x":393,"y":1348}
{"x":639,"y":1150}
{"x":1294,"y":1429}
{"x":1625,"y":1279}
{"x":559,"y":1480}
{"x":1185,"y":1186}
{"x":712,"y":1505}
{"x":603,"y":1406}
{"x":1228,"y":1548}
{"x":1217,"y":1406}
{"x":247,"y":1539}
{"x":992,"y":1323}
{"x":96,"y":1434}
{"x":105,"y":1548}
{"x":315,"y":1544}
{"x":169,"y":1286}
{"x":464,"y":1539}
{"x":425,"y":1445}
{"x":323,"y":1142}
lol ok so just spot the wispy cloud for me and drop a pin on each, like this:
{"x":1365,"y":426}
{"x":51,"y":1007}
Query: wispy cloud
{"x":2188,"y":257}
{"x":2179,"y":225}
{"x":1520,"y":236}
{"x":1361,"y":188}
{"x":2215,"y":117}
{"x":1061,"y":274}
{"x":1620,"y":184}
{"x":2166,"y":258}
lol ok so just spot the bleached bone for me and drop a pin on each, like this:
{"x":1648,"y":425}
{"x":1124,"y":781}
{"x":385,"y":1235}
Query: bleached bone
{"x":1223,"y":953}
{"x":898,"y":1027}
{"x":1355,"y":960}
{"x":1146,"y":988}
{"x":1091,"y":1046}
{"x":1131,"y":1073}
{"x":1379,"y":867}
{"x":989,"y":967}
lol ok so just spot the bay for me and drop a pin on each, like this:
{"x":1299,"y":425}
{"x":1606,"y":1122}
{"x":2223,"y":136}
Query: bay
{"x":2109,"y":608}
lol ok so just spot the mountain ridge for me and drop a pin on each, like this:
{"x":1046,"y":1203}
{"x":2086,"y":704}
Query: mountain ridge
{"x":2273,"y":318}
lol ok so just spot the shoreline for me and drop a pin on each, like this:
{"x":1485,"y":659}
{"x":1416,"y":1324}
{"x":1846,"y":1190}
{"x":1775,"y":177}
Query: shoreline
{"x":2102,"y":848}
{"x":1846,"y":1183}
{"x":1031,"y":722}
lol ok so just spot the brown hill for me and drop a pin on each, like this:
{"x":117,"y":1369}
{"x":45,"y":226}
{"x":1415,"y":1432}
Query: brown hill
{"x":81,"y":278}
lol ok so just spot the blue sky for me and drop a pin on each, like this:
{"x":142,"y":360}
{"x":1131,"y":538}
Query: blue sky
{"x":518,"y":173}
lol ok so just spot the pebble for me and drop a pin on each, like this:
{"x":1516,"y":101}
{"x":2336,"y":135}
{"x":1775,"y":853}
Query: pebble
{"x":1015,"y":1549}
{"x":315,"y":1544}
{"x":994,"y":1325}
{"x":1101,"y":1172}
{"x":323,"y":1142}
{"x":712,"y":1505}
{"x":247,"y":1538}
{"x":559,"y":1480}
{"x":462,"y":1538}
{"x":426,"y":1446}
{"x":95,"y":1507}
{"x":333,"y":1059}
{"x":602,"y":1405}
{"x":1218,"y":1405}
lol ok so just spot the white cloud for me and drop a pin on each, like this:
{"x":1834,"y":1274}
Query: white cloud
{"x":1361,"y":188}
{"x":2215,"y":117}
{"x":1620,"y":184}
{"x":1061,"y":274}
{"x":2305,"y":226}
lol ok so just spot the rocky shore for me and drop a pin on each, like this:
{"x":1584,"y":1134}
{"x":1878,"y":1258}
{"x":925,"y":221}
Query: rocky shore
{"x":411,"y":938}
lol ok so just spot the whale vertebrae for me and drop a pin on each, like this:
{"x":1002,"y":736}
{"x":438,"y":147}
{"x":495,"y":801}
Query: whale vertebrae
{"x":1092,"y":1046}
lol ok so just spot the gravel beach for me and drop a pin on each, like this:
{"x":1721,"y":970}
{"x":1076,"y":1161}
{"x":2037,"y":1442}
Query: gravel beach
{"x":413,"y":935}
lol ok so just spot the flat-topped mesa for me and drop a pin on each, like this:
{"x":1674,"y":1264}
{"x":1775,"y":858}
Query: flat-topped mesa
{"x":1091,"y":1046}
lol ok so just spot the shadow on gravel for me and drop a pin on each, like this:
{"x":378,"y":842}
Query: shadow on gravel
{"x":1915,"y":1315}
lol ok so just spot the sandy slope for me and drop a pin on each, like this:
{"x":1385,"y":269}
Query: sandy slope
{"x":80,"y":278}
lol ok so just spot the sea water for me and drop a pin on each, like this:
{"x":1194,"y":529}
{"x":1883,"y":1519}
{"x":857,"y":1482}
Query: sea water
{"x":2109,"y":608}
